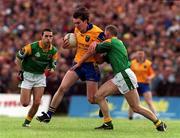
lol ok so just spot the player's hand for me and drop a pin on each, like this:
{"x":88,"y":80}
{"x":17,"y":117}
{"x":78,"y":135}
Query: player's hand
{"x":148,"y":79}
{"x":20,"y":76}
{"x":92,"y":47}
{"x":75,"y":66}
{"x":66,"y":44}
{"x":48,"y":72}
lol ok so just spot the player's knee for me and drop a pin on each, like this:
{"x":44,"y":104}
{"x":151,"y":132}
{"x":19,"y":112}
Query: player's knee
{"x":62,"y":89}
{"x":24,"y":104}
{"x":135,"y":108}
{"x":149,"y":102}
{"x":98,"y":98}
{"x":91,"y":100}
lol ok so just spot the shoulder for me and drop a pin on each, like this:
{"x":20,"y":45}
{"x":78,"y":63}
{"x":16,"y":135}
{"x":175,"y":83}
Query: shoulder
{"x":115,"y":39}
{"x":34,"y":45}
{"x":54,"y":49}
{"x":96,"y":28}
{"x":133,"y":61}
{"x":107,"y":40}
{"x":148,"y":62}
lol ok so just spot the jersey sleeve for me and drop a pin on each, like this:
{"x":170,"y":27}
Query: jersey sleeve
{"x":53,"y":61}
{"x":25,"y":51}
{"x":101,"y":36}
{"x":104,"y":46}
{"x":151,"y":72}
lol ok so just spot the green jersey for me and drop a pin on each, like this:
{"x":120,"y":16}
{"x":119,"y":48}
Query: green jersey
{"x":35,"y":59}
{"x":116,"y":54}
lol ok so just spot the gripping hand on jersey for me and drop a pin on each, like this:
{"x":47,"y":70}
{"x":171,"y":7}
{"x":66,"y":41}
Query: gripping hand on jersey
{"x":92,"y":47}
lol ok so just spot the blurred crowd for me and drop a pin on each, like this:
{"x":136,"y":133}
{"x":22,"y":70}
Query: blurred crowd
{"x":151,"y":25}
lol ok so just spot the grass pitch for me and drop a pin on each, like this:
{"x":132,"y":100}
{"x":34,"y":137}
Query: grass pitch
{"x":66,"y":127}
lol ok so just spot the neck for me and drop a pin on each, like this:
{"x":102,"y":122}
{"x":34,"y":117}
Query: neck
{"x":84,"y":29}
{"x":140,"y":60}
{"x":45,"y":45}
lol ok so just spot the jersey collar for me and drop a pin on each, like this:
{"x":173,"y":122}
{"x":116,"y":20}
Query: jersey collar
{"x":90,"y":26}
{"x":41,"y":45}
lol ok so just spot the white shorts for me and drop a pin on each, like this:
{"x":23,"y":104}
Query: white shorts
{"x":33,"y":80}
{"x":125,"y":81}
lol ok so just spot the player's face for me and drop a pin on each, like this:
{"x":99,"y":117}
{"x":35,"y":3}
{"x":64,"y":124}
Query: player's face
{"x":81,"y":25}
{"x":47,"y":38}
{"x":107,"y":34}
{"x":141,"y":55}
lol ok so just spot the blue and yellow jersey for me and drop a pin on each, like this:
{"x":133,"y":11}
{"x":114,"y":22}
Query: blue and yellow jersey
{"x":84,"y":40}
{"x":142,"y":70}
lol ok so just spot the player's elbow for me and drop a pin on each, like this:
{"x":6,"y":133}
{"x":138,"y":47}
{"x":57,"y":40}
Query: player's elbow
{"x":16,"y":61}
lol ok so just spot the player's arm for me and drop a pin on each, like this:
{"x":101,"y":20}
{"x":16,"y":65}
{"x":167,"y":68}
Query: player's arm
{"x":103,"y":47}
{"x":21,"y":54}
{"x":88,"y":54}
{"x":52,"y":65}
{"x":151,"y":73}
{"x":93,"y":49}
{"x":96,"y":48}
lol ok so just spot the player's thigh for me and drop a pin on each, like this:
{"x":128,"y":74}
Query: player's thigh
{"x":132,"y":98}
{"x":37,"y":94}
{"x":106,"y":89}
{"x":92,"y":88}
{"x":69,"y":79}
{"x":25,"y":96}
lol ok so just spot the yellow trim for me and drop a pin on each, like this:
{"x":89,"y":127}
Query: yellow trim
{"x":28,"y":49}
{"x":108,"y":119}
{"x":29,"y":118}
{"x":41,"y":45}
{"x":107,"y":40}
{"x":158,"y":123}
{"x":55,"y":56}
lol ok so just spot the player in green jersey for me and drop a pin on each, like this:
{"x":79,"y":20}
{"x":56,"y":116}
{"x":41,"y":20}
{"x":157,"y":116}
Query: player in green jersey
{"x":124,"y":80}
{"x":33,"y":60}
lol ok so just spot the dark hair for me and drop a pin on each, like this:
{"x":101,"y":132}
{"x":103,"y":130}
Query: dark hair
{"x":112,"y":29}
{"x":46,"y":30}
{"x":81,"y":13}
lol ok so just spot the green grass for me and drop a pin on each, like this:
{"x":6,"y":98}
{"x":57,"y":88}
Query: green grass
{"x":65,"y":127}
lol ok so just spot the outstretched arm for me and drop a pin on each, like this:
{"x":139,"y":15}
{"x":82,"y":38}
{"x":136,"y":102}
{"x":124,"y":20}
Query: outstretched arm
{"x":91,"y":51}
